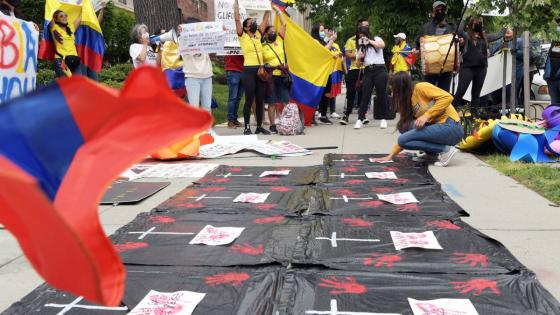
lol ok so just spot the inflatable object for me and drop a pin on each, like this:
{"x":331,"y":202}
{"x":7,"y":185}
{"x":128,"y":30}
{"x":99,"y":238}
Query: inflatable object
{"x":185,"y":149}
{"x":525,"y":141}
{"x":551,"y":115}
{"x":484,"y":133}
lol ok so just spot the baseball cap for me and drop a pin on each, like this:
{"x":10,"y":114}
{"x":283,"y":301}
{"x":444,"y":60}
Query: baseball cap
{"x":438,"y":3}
{"x":400,"y":35}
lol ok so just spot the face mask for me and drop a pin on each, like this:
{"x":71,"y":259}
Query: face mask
{"x":477,"y":28}
{"x":253,"y":28}
{"x":272,"y":37}
{"x":322,"y":35}
{"x":440,"y":16}
{"x":397,"y":41}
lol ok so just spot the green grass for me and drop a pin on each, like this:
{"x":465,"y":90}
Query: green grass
{"x":220,"y":92}
{"x":541,"y":178}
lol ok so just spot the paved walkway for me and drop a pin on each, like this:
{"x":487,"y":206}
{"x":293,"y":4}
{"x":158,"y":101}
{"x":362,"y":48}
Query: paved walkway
{"x":526,"y":223}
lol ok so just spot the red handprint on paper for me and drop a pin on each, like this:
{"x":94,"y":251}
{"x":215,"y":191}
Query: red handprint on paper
{"x":356,"y":222}
{"x":277,"y":220}
{"x":348,"y":285}
{"x":122,"y":248}
{"x":410,"y":207}
{"x":279,"y":189}
{"x":349,"y":169}
{"x":162,"y":219}
{"x":346,"y":192}
{"x":355,"y":181}
{"x":472,"y":259}
{"x":476,"y":286}
{"x":443,"y":225}
{"x":401,"y":181}
{"x":165,"y":305}
{"x":382,"y":190}
{"x":232,"y":278}
{"x":380,"y":260}
{"x":216,"y":234}
{"x":248,"y":249}
{"x":265,"y":206}
{"x":372,"y":203}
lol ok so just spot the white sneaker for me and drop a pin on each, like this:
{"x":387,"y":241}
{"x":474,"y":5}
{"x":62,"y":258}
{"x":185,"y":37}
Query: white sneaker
{"x":383,"y":124}
{"x":445,"y":157}
{"x":335,"y":115}
{"x":359,"y":124}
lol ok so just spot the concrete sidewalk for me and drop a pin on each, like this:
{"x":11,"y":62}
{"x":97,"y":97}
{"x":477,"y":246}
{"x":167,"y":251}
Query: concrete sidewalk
{"x":526,"y":223}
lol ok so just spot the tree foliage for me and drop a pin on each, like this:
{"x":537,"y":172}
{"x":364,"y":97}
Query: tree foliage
{"x":117,"y":25}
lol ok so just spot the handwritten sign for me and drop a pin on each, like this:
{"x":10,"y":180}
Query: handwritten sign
{"x":177,"y":303}
{"x":224,"y":13}
{"x":275,"y":173}
{"x":381,"y":175}
{"x":257,"y":5}
{"x":19,"y":43}
{"x":426,"y":240}
{"x":214,"y":236}
{"x":251,"y":198}
{"x":399,"y":199}
{"x":442,"y":306}
{"x":203,"y":37}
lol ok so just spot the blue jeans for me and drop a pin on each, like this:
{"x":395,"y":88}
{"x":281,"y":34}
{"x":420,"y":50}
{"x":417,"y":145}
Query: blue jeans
{"x":199,"y":92}
{"x":235,"y":93}
{"x":554,"y":91}
{"x":432,"y":138}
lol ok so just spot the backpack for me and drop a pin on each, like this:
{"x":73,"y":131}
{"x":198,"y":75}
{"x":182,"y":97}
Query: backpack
{"x":291,"y":121}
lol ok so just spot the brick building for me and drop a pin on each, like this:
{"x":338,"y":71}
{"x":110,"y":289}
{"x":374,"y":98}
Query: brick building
{"x":157,"y":14}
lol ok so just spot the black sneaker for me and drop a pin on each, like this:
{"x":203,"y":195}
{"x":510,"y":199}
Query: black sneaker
{"x":261,"y":130}
{"x":344,"y":120}
{"x":273,"y":129}
{"x":325,"y":121}
{"x":365,"y":121}
{"x":247,"y":131}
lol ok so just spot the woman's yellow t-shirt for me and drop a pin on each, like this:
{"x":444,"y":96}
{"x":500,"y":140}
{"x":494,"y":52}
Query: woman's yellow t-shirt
{"x":253,"y":57}
{"x":65,"y":44}
{"x":270,"y":56}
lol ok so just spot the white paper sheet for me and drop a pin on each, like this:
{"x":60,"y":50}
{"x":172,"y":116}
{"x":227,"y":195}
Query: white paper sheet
{"x":176,"y":303}
{"x":399,"y":199}
{"x":215,"y":236}
{"x":426,"y":240}
{"x":442,"y":306}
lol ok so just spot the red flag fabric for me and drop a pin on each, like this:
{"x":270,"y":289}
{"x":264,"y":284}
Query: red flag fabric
{"x":64,"y":240}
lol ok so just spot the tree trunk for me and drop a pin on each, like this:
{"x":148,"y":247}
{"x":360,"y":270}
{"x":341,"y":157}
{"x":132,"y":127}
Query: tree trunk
{"x":157,"y":14}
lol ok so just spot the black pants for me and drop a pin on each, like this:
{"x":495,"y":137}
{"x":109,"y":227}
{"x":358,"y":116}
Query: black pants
{"x":325,"y":101}
{"x":442,"y":81}
{"x":351,"y":79}
{"x":475,"y":75}
{"x":377,"y":77}
{"x":254,"y":91}
{"x":332,"y":105}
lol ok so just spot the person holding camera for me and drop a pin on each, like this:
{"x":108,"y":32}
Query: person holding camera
{"x":275,"y":62}
{"x":370,"y":55}
{"x":140,"y":51}
{"x":253,"y":72}
{"x":66,"y":60}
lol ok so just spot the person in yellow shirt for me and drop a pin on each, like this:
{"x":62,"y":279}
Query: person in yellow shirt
{"x":66,"y":60}
{"x":250,"y":40}
{"x":353,"y":95}
{"x":428,"y":122}
{"x":275,"y":62}
{"x":400,"y":51}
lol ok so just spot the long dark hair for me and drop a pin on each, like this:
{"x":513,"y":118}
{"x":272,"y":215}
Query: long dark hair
{"x":474,"y":20}
{"x":66,"y":27}
{"x":315,"y":33}
{"x":402,"y":88}
{"x":246,"y":23}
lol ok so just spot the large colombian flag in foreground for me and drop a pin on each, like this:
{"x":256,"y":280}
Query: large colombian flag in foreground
{"x":60,"y":148}
{"x":310,"y":65}
{"x":89,"y":37}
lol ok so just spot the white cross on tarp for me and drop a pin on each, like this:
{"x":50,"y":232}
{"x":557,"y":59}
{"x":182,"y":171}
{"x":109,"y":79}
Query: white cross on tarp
{"x":334,"y":240}
{"x":74,"y":304}
{"x":334,"y":311}
{"x":143,"y":234}
{"x":344,"y":175}
{"x":232,"y":175}
{"x":204,"y":196}
{"x":343,"y":160}
{"x":347,"y":199}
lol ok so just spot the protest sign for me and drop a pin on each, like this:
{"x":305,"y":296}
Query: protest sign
{"x":224,"y":12}
{"x":18,"y":57}
{"x":257,"y":5}
{"x":426,"y":240}
{"x":251,"y":198}
{"x":203,"y":37}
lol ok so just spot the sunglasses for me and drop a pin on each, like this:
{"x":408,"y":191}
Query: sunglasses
{"x":62,"y":15}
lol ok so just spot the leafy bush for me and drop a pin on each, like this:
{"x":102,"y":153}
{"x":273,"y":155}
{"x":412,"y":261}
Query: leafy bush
{"x":45,"y":76}
{"x":116,"y":73}
{"x":219,"y":74}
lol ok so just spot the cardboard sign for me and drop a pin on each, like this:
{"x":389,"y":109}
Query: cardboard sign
{"x":214,"y":236}
{"x":203,"y":37}
{"x":251,"y":198}
{"x":426,"y":240}
{"x":442,"y":306}
{"x":18,"y":57}
{"x":381,"y":175}
{"x":399,"y":199}
{"x":176,"y":303}
{"x":224,"y":12}
{"x":275,"y":173}
{"x":257,"y":5}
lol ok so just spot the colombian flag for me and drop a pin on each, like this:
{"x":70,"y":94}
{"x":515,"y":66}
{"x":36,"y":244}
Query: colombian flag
{"x":89,"y":37}
{"x":310,"y":65}
{"x":337,"y":78}
{"x":60,"y":147}
{"x":283,"y":4}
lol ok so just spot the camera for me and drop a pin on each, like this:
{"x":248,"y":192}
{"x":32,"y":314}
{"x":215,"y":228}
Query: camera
{"x":364,"y":41}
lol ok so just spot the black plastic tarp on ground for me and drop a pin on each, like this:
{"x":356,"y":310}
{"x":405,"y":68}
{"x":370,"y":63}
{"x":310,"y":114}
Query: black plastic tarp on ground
{"x":354,"y":176}
{"x":283,"y":200}
{"x":156,"y":239}
{"x":228,"y":291}
{"x":363,"y":160}
{"x":250,"y":176}
{"x":364,"y":200}
{"x":320,"y":291}
{"x":365,"y":244}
